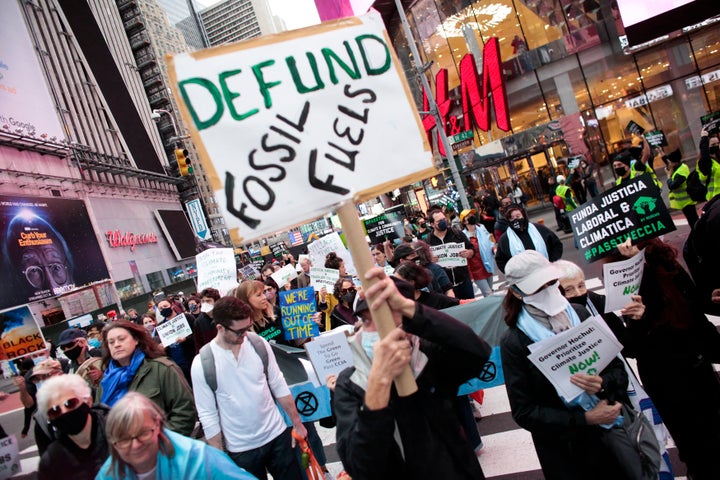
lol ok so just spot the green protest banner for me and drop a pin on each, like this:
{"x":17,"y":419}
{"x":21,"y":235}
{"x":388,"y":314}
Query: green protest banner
{"x":631,"y":210}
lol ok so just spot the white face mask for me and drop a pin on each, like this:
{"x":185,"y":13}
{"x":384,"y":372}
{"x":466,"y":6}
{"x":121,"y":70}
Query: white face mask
{"x":369,"y":339}
{"x":549,"y":300}
{"x":205,"y":307}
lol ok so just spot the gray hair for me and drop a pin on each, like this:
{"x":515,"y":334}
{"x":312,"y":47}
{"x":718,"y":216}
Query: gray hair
{"x":125,"y":417}
{"x":568,"y":269}
{"x":54,"y":386}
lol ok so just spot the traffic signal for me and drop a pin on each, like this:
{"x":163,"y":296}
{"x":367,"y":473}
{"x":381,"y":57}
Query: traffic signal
{"x":183,"y":161}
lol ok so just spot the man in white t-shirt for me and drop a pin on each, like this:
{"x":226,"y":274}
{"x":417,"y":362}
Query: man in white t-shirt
{"x":242,"y":410}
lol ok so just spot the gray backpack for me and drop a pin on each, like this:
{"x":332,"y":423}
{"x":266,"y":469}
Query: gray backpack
{"x":207,"y":359}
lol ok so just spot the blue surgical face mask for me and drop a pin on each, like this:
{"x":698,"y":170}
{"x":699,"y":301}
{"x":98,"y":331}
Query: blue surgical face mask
{"x":369,"y":339}
{"x":94,"y":342}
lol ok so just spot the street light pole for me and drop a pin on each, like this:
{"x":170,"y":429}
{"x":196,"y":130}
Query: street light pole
{"x":433,"y":107}
{"x":156,"y":114}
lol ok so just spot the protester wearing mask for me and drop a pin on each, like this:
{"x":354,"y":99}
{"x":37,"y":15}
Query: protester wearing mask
{"x":501,"y":223}
{"x":568,"y":434}
{"x":482,"y":263}
{"x":149,"y":323}
{"x":381,"y":435}
{"x":523,"y":235}
{"x":708,"y":165}
{"x":193,"y":304}
{"x":75,"y":347}
{"x":205,"y":329}
{"x":41,"y":373}
{"x":342,"y":314}
{"x":442,"y":234}
{"x":183,"y":350}
{"x":79,"y":447}
{"x":622,"y":167}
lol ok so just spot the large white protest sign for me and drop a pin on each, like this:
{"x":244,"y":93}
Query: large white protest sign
{"x":9,"y":457}
{"x":284,"y":275}
{"x":172,"y":330}
{"x":290,"y":125}
{"x":330,"y":354}
{"x":622,"y":281}
{"x":330,"y":243}
{"x":448,"y":255}
{"x":216,"y":269}
{"x":324,"y":277}
{"x":586,"y":348}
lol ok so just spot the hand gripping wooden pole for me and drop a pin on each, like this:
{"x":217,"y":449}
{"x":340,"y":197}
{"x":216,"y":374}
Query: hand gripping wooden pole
{"x":382,"y":316}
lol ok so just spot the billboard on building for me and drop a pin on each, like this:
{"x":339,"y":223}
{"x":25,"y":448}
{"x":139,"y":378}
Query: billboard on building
{"x":26,"y":107}
{"x":49,"y":248}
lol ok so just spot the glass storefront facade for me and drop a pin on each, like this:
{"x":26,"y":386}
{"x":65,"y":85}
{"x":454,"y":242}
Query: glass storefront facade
{"x":571,"y":89}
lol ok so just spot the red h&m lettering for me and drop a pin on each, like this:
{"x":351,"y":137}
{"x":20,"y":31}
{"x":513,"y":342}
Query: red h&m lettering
{"x":475,"y":105}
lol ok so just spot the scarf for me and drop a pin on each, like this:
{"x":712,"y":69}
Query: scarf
{"x":117,"y":379}
{"x":516,"y":245}
{"x":539,"y":329}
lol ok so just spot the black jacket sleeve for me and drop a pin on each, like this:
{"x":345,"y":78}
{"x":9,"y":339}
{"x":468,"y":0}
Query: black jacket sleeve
{"x":502,"y":255}
{"x":704,"y":164}
{"x":552,"y":241}
{"x":675,"y":181}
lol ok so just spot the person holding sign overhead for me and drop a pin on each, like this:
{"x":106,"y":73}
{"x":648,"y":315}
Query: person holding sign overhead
{"x":381,"y":435}
{"x":567,"y":433}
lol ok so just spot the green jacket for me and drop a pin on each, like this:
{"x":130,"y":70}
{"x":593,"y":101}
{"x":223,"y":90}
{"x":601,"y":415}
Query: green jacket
{"x":162,"y":381}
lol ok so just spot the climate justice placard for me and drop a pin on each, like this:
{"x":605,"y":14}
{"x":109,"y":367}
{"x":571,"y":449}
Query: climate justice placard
{"x":290,"y":125}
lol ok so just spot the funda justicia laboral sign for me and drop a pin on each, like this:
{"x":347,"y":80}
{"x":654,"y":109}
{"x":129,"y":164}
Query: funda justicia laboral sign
{"x":117,"y":239}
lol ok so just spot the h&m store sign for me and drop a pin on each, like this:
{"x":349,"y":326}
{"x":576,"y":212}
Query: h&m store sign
{"x":476,"y":96}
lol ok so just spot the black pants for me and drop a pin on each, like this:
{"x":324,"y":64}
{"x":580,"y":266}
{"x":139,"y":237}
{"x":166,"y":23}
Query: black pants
{"x":691,"y":214}
{"x":276,"y":457}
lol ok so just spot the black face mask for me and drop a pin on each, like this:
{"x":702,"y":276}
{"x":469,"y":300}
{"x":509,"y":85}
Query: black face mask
{"x":472,"y":220}
{"x":620,"y":171}
{"x":166,"y":312}
{"x":72,"y":422}
{"x":194,"y":308}
{"x":442,"y":225}
{"x":715,"y":150}
{"x":519,"y":225}
{"x":348,"y":298}
{"x":73,"y":353}
{"x":580,"y":299}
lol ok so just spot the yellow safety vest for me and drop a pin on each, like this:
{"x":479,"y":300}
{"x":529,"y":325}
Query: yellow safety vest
{"x":562,"y":190}
{"x":713,"y":186}
{"x":679,"y":197}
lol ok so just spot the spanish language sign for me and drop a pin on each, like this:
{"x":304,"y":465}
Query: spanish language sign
{"x":324,"y":277}
{"x":20,"y":334}
{"x":622,"y":280}
{"x":448,"y":255}
{"x":632,"y":210}
{"x":296,"y":310}
{"x":330,"y":354}
{"x":290,"y":125}
{"x":216,"y":269}
{"x":174,"y":329}
{"x":587,"y":348}
{"x":387,"y":226}
{"x":319,"y":248}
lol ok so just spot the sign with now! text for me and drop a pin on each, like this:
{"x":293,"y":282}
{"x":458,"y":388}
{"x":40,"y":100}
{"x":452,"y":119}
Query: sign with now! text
{"x":290,"y":125}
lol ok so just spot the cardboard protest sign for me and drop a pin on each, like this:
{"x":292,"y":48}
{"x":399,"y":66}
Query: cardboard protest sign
{"x":448,"y":255}
{"x":20,"y":334}
{"x":330,"y":354}
{"x":9,"y":457}
{"x":622,"y":280}
{"x":296,"y":310}
{"x":634,"y":209}
{"x":284,"y":275}
{"x":633,"y":127}
{"x":288,"y":126}
{"x":216,"y":269}
{"x":331,"y":243}
{"x":387,"y":226}
{"x":324,"y":277}
{"x":586,"y":348}
{"x":172,"y":330}
{"x":656,"y":138}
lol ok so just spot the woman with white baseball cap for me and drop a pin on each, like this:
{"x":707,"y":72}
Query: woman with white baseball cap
{"x":566,"y":432}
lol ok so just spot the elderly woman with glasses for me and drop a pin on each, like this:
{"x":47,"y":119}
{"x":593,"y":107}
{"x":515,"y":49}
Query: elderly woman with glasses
{"x":79,"y":447}
{"x":141,"y":447}
{"x":567,"y":433}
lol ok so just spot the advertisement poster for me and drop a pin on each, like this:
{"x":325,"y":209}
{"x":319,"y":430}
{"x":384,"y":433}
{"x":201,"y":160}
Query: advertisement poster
{"x":622,"y":280}
{"x":49,"y":248}
{"x":288,"y":126}
{"x":587,"y":348}
{"x":296,"y":310}
{"x":633,"y":210}
{"x":20,"y":334}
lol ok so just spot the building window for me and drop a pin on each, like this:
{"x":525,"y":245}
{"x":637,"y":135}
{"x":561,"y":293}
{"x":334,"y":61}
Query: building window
{"x":155,"y":280}
{"x":129,"y":288}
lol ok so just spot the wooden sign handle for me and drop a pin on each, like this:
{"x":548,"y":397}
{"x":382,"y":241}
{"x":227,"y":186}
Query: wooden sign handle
{"x":382,"y":316}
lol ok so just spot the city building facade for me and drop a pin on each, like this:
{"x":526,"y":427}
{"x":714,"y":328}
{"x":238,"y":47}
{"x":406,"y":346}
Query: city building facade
{"x":235,"y":20}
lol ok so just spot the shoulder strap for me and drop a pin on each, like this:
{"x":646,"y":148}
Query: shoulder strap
{"x":260,"y":349}
{"x":207,"y":360}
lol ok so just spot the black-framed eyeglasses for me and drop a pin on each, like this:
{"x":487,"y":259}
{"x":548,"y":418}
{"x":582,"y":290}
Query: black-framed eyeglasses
{"x":348,"y":290}
{"x":240,"y":331}
{"x":56,"y":410}
{"x":142,"y":437}
{"x":35,"y":274}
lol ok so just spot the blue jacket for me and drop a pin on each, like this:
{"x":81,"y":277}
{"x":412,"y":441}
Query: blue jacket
{"x":193,"y":460}
{"x":485,"y":245}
